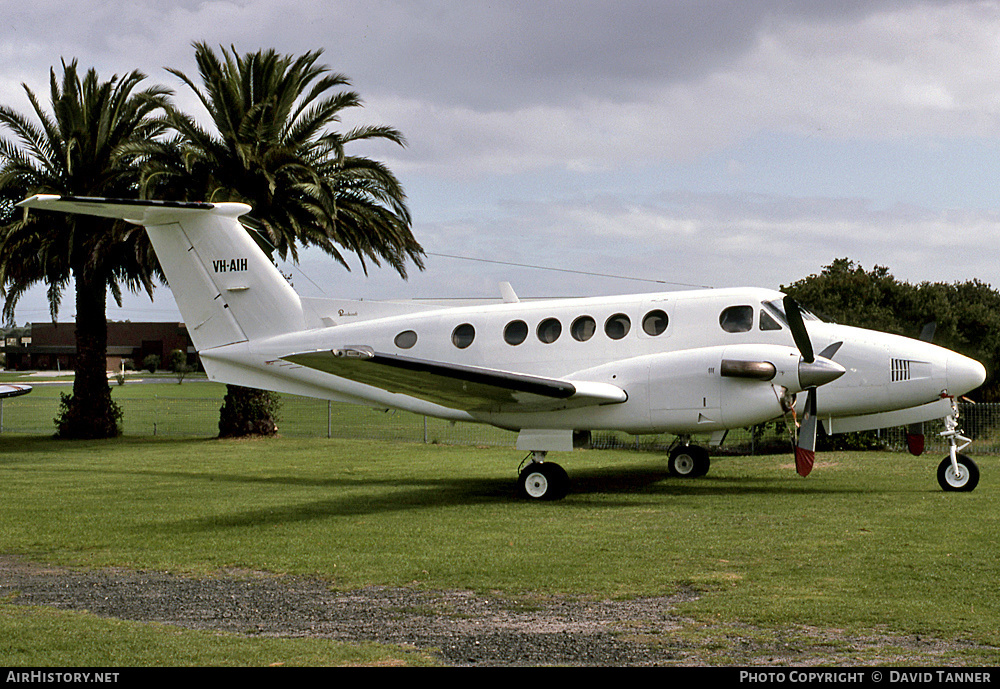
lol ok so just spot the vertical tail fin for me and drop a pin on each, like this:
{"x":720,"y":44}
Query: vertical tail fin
{"x":225,"y":287}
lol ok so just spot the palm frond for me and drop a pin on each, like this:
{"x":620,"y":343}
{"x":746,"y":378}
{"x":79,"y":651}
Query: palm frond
{"x":275,"y":146}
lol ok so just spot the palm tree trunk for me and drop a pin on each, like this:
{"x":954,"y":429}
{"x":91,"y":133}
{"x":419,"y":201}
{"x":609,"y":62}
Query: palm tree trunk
{"x":247,"y":411}
{"x":90,"y":412}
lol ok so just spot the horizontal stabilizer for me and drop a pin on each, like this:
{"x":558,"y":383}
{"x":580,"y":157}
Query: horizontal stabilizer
{"x":140,"y":212}
{"x":470,"y":388}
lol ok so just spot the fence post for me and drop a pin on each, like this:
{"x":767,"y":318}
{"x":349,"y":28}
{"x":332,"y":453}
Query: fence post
{"x":329,"y":419}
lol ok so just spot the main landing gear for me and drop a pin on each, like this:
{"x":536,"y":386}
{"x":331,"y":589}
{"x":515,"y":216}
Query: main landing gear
{"x":541,"y":480}
{"x":688,"y":461}
{"x":957,"y":472}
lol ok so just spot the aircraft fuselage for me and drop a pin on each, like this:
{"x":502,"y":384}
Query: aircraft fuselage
{"x":665,"y":350}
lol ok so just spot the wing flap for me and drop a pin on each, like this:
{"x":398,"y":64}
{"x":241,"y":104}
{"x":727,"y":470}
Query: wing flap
{"x":470,"y":388}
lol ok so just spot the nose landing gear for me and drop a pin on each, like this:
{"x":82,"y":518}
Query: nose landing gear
{"x":957,"y":472}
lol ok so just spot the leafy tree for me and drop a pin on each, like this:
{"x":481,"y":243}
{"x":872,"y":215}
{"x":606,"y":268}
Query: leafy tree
{"x":846,"y":293}
{"x":151,"y":362}
{"x":75,"y":150}
{"x":274,"y":146}
{"x":178,"y":363}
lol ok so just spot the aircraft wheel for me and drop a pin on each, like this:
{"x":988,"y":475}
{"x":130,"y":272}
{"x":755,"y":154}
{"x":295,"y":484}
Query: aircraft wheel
{"x":688,"y":461}
{"x":543,"y":481}
{"x":967,"y":478}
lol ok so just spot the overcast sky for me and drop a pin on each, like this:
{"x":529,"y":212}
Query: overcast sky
{"x":702,"y":143}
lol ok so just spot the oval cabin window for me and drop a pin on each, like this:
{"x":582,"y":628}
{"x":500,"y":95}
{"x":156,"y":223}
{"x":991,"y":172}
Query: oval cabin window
{"x":406,"y":339}
{"x":617,"y":326}
{"x":549,"y":330}
{"x":654,"y":323}
{"x":515,"y":333}
{"x":463,"y":335}
{"x":583,"y":328}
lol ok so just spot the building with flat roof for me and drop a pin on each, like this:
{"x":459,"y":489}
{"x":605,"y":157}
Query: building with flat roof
{"x":52,"y":346}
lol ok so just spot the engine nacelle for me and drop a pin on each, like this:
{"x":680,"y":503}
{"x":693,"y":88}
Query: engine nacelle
{"x":698,"y":390}
{"x":714,"y":388}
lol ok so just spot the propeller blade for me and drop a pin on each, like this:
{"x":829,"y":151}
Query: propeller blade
{"x":798,"y":327}
{"x":805,"y":447}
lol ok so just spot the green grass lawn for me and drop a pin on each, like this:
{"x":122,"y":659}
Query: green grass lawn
{"x":867,"y":543}
{"x":192,"y":409}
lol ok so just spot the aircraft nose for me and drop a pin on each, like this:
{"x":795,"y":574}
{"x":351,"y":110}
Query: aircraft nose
{"x":964,"y":374}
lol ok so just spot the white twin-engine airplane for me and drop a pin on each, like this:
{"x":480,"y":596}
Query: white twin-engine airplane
{"x":685,"y":363}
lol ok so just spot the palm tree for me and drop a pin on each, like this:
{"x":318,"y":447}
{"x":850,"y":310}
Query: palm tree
{"x":275,"y":148}
{"x":75,"y":150}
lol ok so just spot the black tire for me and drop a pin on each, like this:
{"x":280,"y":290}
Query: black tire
{"x":688,"y":461}
{"x":968,"y":480}
{"x":543,"y":481}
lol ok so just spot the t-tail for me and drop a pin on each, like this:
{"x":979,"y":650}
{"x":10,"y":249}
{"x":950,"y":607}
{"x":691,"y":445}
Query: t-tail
{"x":227,"y":289}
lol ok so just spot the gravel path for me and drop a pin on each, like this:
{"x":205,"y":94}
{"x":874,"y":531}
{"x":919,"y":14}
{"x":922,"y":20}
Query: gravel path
{"x":460,"y":628}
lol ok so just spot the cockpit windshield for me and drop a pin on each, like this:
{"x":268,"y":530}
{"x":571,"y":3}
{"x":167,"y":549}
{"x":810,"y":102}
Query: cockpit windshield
{"x":777,"y":309}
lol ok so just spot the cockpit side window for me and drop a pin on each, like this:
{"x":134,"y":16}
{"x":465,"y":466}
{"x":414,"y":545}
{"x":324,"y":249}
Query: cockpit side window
{"x":737,"y":319}
{"x":776,"y":310}
{"x":768,"y":322}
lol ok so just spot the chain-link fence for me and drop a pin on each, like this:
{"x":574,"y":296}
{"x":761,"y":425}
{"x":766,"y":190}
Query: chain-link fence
{"x":305,"y":417}
{"x":298,"y":417}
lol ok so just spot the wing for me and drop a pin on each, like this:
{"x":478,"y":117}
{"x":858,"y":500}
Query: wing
{"x":14,"y":389}
{"x":470,"y":388}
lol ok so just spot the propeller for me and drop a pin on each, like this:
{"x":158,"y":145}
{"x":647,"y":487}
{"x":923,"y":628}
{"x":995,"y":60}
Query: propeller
{"x":799,"y":333}
{"x":813,"y":372}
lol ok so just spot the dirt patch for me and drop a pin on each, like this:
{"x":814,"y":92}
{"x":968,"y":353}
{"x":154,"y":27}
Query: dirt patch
{"x":459,"y":627}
